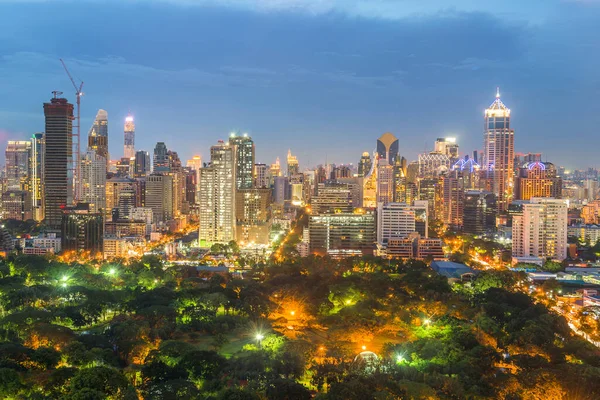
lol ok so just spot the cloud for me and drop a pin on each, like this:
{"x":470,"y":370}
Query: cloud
{"x":380,"y":9}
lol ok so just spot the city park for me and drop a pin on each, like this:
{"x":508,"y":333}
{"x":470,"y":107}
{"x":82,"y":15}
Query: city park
{"x":292,"y":328}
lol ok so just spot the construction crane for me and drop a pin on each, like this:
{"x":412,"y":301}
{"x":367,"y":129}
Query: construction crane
{"x":76,"y":135}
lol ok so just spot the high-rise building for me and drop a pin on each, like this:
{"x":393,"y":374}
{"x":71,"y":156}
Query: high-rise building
{"x":261,"y":176}
{"x":541,"y":229}
{"x":159,"y":197}
{"x":160,"y":161}
{"x":252,"y":215}
{"x":385,"y":182}
{"x":244,"y":160}
{"x":537,"y":179}
{"x":388,"y":147}
{"x":93,"y":181}
{"x":454,"y":199}
{"x":129,"y":137}
{"x":81,"y":230}
{"x":394,"y":221}
{"x":38,"y":149}
{"x":141,"y":166}
{"x":58,"y":159}
{"x":18,"y":159}
{"x":332,"y":197}
{"x":447,"y":146}
{"x":281,"y":189}
{"x":479,"y":212}
{"x":342,"y":234}
{"x":122,"y":194}
{"x":275,"y":169}
{"x":365,"y":164}
{"x":499,"y":152}
{"x":293,"y":166}
{"x":217,"y":195}
{"x":433,"y":164}
{"x":98,"y":136}
{"x":16,"y":204}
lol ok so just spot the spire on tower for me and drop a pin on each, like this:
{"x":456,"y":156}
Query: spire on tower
{"x":498,"y":92}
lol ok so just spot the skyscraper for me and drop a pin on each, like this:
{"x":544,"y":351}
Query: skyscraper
{"x":388,"y":147}
{"x":479,"y":212}
{"x":499,"y":152}
{"x":93,"y":181}
{"x":160,"y":161}
{"x":364,"y":165}
{"x":141,"y":166}
{"x":447,"y":146}
{"x":98,"y":135}
{"x":58,"y":173}
{"x":244,"y":160}
{"x":38,"y":148}
{"x":537,"y":179}
{"x":217,"y":195}
{"x":385,"y":182}
{"x":129,"y":136}
{"x":81,"y":230}
{"x":18,"y":158}
{"x":159,"y":197}
{"x":261,"y":176}
{"x":292,"y":164}
{"x":541,"y":229}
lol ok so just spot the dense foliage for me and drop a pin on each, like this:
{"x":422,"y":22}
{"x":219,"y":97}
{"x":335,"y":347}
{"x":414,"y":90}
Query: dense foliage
{"x":147,"y":329}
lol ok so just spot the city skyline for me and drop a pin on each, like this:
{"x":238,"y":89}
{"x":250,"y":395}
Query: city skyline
{"x":310,"y":98}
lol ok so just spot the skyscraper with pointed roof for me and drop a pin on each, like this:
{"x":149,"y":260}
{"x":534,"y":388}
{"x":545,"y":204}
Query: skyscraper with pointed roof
{"x":98,"y":135}
{"x":499,"y":152}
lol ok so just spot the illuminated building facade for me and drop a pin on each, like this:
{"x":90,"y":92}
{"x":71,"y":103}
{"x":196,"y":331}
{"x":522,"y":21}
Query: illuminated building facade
{"x":81,"y":230}
{"x":252,"y":214}
{"x":93,"y":181}
{"x":454,"y":199}
{"x":293,"y":166}
{"x":385,"y":182}
{"x":433,"y":164}
{"x":499,"y":152}
{"x":159,"y":197}
{"x":342,"y":233}
{"x":261,"y":176}
{"x":98,"y":136}
{"x":129,"y":137}
{"x":541,"y":229}
{"x":16,"y":204}
{"x":244,"y":160}
{"x":332,"y":197}
{"x":122,"y":194}
{"x":18,"y":159}
{"x":447,"y":146}
{"x":394,"y":221}
{"x":537,"y":179}
{"x":58,"y":159}
{"x":217,"y":196}
{"x":38,"y":150}
{"x":365,"y":164}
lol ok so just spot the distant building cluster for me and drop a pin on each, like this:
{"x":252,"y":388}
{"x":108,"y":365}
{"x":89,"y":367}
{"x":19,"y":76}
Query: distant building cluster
{"x":384,"y":205}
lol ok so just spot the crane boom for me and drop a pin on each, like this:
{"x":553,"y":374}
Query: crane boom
{"x":76,"y":135}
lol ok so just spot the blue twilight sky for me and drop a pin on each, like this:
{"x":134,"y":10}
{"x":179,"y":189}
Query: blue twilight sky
{"x":322,"y":77}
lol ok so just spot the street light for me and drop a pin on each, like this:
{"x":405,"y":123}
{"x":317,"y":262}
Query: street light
{"x":426,"y":321}
{"x":399,"y":359}
{"x":259,"y":337}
